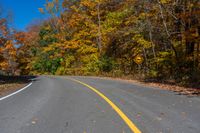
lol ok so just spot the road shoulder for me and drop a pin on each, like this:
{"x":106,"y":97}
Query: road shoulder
{"x":11,"y":84}
{"x":163,"y":86}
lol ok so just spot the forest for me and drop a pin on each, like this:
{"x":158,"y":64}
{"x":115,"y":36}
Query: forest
{"x":106,"y":38}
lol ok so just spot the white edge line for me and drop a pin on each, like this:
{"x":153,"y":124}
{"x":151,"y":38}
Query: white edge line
{"x":16,"y":92}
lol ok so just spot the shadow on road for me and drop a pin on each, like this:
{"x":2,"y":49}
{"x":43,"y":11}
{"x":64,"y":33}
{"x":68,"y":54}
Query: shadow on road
{"x":16,"y":79}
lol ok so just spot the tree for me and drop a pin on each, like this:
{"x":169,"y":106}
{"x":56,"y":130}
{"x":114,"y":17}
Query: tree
{"x":7,"y":49}
{"x":104,"y":36}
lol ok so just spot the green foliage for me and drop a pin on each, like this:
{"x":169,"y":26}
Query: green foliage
{"x":106,"y":64}
{"x":47,"y":36}
{"x":45,"y":64}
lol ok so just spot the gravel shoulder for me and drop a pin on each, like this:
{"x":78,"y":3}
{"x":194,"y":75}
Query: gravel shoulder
{"x":171,"y":87}
{"x":7,"y":88}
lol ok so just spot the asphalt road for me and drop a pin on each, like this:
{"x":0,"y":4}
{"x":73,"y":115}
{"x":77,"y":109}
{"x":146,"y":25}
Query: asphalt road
{"x":60,"y":105}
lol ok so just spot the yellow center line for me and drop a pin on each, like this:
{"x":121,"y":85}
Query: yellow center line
{"x":131,"y":125}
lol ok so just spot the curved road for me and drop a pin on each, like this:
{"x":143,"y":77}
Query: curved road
{"x":61,"y":105}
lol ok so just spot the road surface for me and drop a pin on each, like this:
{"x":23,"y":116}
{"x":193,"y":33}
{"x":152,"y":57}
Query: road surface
{"x":62,"y":105}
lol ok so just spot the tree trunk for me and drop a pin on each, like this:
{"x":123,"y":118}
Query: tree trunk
{"x":99,"y":29}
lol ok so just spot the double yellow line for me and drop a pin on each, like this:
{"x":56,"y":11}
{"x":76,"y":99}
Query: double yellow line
{"x":130,"y":124}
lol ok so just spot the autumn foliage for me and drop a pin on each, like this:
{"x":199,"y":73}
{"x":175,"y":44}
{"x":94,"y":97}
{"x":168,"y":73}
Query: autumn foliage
{"x":103,"y":37}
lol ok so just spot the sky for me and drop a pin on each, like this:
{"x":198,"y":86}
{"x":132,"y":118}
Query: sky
{"x":24,"y":11}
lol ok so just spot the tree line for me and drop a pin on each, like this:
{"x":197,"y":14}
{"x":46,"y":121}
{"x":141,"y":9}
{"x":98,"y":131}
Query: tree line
{"x":103,"y":37}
